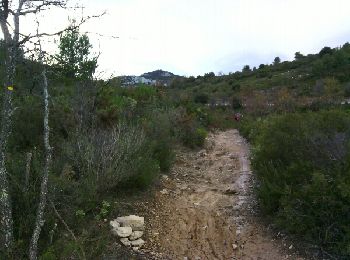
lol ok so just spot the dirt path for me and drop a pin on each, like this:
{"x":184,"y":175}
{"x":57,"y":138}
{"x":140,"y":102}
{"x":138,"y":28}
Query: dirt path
{"x":206,"y":208}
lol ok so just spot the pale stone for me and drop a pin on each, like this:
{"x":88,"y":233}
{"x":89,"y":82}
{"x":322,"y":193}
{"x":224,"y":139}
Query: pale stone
{"x":114,"y":224}
{"x":125,"y":241}
{"x":135,"y":222}
{"x":164,"y":192}
{"x":122,"y":231}
{"x":136,"y":235}
{"x":138,"y":243}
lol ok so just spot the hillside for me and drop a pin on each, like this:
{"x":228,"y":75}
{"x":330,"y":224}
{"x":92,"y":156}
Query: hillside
{"x":296,"y":117}
{"x":303,"y":83}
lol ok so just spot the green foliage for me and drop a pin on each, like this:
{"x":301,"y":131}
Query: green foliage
{"x":74,"y":57}
{"x":144,"y":93}
{"x":246,"y":68}
{"x":80,"y":213}
{"x":276,"y":61}
{"x":201,"y":98}
{"x":113,"y":105}
{"x":236,"y":103}
{"x":160,"y":130}
{"x":325,"y":50}
{"x":104,"y":210}
{"x":347,"y":90}
{"x":302,"y":163}
{"x":298,"y":56}
{"x":194,"y":137}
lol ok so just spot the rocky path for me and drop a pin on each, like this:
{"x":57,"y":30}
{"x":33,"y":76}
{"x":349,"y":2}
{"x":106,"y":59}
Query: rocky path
{"x":205,"y":208}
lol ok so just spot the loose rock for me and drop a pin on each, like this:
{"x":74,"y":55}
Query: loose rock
{"x":138,"y":243}
{"x":125,"y":241}
{"x":164,"y":192}
{"x":136,"y":235}
{"x":122,"y":231}
{"x":135,"y":222}
{"x":114,"y":224}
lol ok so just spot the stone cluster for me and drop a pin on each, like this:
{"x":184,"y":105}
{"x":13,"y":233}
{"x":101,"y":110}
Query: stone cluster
{"x":129,"y":230}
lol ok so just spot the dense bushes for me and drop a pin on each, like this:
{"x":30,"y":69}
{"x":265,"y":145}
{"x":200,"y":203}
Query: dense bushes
{"x":107,"y":141}
{"x":303,"y":165}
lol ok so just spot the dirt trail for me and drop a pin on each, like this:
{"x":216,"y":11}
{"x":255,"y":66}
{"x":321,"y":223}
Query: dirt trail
{"x":206,"y":208}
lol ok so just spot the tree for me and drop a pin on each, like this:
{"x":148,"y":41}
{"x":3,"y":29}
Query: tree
{"x":209,"y":75}
{"x":298,"y":56}
{"x":325,"y":50}
{"x":74,"y":59}
{"x":276,"y":61}
{"x":13,"y":40}
{"x":261,"y":66}
{"x":246,"y":68}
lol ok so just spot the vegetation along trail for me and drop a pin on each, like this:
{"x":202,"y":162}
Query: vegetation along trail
{"x":206,"y":207}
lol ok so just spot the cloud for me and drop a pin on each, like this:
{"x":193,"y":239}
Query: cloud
{"x":198,"y":36}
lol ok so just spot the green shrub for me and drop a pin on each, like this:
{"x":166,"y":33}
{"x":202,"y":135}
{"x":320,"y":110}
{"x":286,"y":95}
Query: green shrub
{"x":159,"y":131}
{"x":201,"y":98}
{"x":347,"y":90}
{"x":194,"y":137}
{"x":303,"y":166}
{"x":200,"y":136}
{"x":147,"y":170}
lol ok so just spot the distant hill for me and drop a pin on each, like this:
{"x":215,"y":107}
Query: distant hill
{"x":159,"y":75}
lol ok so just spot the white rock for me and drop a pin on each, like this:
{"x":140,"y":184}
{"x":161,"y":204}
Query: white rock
{"x":122,"y":231}
{"x":125,"y":241}
{"x":135,"y":222}
{"x":136,"y":248}
{"x":139,"y":242}
{"x":136,"y":235}
{"x":114,"y":224}
{"x":165,"y":177}
{"x":234,"y":246}
{"x":164,"y":192}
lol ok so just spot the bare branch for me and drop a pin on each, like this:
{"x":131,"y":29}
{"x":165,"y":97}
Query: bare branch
{"x":58,"y":33}
{"x":68,"y":229}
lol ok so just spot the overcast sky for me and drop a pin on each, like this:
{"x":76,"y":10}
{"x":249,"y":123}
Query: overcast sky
{"x":192,"y":37}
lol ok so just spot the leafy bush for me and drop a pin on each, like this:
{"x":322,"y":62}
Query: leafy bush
{"x":194,"y":137}
{"x":303,"y":165}
{"x":347,"y":90}
{"x":201,"y":98}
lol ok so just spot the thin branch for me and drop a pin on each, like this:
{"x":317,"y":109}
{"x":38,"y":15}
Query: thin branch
{"x":67,"y":228}
{"x":58,"y":33}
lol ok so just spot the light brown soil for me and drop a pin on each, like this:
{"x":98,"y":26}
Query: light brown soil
{"x":206,"y":209}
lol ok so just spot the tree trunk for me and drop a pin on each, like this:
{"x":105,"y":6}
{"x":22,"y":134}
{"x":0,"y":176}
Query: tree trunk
{"x":6,"y":127}
{"x":11,"y":44}
{"x":33,"y":250}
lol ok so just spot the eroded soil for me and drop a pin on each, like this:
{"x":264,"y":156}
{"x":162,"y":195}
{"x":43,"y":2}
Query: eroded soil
{"x":205,"y":207}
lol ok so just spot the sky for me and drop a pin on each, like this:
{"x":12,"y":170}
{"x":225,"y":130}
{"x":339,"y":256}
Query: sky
{"x":193,"y":37}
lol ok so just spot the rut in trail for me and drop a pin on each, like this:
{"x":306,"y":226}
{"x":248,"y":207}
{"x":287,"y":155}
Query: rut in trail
{"x":205,"y":210}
